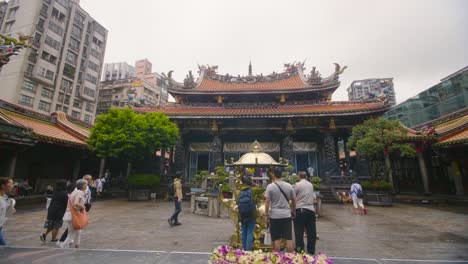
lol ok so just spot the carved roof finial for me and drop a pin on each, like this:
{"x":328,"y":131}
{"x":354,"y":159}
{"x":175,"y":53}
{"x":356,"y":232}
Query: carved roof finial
{"x":250,"y":68}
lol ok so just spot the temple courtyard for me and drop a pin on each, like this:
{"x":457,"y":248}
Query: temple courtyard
{"x":138,"y":232}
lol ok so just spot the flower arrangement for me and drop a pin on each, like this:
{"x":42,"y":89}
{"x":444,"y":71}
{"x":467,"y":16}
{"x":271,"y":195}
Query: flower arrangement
{"x":228,"y":254}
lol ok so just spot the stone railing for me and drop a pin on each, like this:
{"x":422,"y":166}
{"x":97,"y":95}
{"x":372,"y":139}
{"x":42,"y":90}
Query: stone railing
{"x":345,"y":180}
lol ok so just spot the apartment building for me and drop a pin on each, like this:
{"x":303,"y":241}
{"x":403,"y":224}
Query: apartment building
{"x":371,"y":89}
{"x":118,"y":71}
{"x":3,"y":9}
{"x":144,"y":71}
{"x":127,"y":92}
{"x":62,"y":69}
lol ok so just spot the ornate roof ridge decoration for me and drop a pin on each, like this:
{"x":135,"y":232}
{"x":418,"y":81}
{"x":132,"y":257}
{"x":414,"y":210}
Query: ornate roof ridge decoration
{"x":10,"y":46}
{"x":291,"y":70}
{"x":70,"y":127}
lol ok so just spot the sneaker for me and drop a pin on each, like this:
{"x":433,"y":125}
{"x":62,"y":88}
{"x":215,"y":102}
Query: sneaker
{"x":62,"y":245}
{"x":364,"y":210}
{"x":169,"y":221}
{"x":43,"y":238}
{"x":176,"y":224}
{"x":54,"y":241}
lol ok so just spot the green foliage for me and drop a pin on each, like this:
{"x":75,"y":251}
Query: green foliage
{"x":124,"y":134}
{"x":292,"y":179}
{"x":290,"y":168}
{"x":316,"y":182}
{"x":201,"y":176}
{"x":225,"y":188}
{"x":371,"y":138}
{"x":258,"y":193}
{"x":222,"y":175}
{"x":377,"y":185}
{"x":144,"y":181}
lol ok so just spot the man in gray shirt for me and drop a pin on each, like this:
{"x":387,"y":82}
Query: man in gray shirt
{"x":305,"y":214}
{"x":280,"y":210}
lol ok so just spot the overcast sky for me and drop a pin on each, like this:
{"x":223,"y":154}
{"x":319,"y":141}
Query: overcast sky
{"x":417,"y":42}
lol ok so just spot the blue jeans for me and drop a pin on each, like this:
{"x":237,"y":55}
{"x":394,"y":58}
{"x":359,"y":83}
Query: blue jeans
{"x":248,"y":227}
{"x":178,"y":209}
{"x":2,"y":240}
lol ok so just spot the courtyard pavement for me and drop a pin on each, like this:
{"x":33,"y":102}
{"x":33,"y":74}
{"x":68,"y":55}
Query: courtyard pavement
{"x":137,"y":232}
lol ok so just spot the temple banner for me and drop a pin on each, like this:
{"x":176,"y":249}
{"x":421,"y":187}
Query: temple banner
{"x":200,"y":147}
{"x":245,"y":147}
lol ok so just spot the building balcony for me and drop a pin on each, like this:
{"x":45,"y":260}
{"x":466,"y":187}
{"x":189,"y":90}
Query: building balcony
{"x":28,"y":74}
{"x":40,"y":28}
{"x":36,"y":43}
{"x":43,"y":13}
{"x":32,"y":58}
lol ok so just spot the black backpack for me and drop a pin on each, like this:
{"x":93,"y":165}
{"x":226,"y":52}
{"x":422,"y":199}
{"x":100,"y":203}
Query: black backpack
{"x":246,"y":203}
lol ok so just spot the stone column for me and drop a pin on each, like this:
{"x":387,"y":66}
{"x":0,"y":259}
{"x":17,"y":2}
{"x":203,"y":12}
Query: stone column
{"x":102,"y":166}
{"x":12,"y":167}
{"x":330,"y":166}
{"x":422,"y":168}
{"x":179,"y":155}
{"x":162,"y":161}
{"x":457,"y":177}
{"x":76,"y":169}
{"x":388,"y":166}
{"x":347,"y":154}
{"x":287,"y":149}
{"x":216,"y":158}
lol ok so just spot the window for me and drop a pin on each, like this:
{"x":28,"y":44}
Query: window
{"x":30,"y":68}
{"x":44,"y":106}
{"x":76,"y":114}
{"x":89,"y":92}
{"x":97,"y":42}
{"x":29,"y":86}
{"x":89,"y":107}
{"x":8,"y":26}
{"x":55,"y":28}
{"x":57,"y":15}
{"x":26,"y":100}
{"x":99,"y":29}
{"x":79,"y":19}
{"x":71,"y":57}
{"x":40,"y":25}
{"x":77,"y":103}
{"x":96,"y":54}
{"x":64,"y":3}
{"x":44,"y":10}
{"x":76,"y":32}
{"x":69,"y":71}
{"x":46,"y":93}
{"x":91,"y":78}
{"x":66,"y":85}
{"x":48,"y":57}
{"x":87,"y":118}
{"x":93,"y":66}
{"x":77,"y":91}
{"x":12,"y":13}
{"x":52,"y":43}
{"x":50,"y":75}
{"x":74,"y":44}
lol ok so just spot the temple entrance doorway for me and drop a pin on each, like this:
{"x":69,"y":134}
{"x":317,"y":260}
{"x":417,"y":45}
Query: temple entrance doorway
{"x":199,"y":161}
{"x":304,"y":160}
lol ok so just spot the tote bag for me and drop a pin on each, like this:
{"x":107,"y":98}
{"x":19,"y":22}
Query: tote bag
{"x":267,"y":239}
{"x":79,"y":217}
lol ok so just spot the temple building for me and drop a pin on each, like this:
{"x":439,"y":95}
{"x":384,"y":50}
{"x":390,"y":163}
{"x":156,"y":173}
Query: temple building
{"x":290,"y":113}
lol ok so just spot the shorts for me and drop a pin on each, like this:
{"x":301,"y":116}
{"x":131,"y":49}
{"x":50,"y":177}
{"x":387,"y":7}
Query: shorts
{"x":281,"y":228}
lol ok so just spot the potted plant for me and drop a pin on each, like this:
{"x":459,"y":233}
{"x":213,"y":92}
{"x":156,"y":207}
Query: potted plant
{"x":200,"y":177}
{"x":140,"y":186}
{"x":377,"y":192}
{"x":316,"y":182}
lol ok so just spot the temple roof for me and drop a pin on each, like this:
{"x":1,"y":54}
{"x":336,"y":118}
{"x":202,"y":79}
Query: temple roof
{"x":54,"y":129}
{"x":323,"y":109}
{"x":293,"y":79}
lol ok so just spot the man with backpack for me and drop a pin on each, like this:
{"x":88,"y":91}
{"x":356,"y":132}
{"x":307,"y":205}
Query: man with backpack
{"x":280,"y":209}
{"x":247,"y":213}
{"x":175,"y":190}
{"x":357,"y":195}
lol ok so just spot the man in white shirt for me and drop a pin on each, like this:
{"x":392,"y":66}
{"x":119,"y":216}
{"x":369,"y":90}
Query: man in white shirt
{"x":310,"y":171}
{"x":305,"y":214}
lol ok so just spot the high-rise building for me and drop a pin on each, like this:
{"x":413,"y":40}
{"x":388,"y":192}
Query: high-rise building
{"x":62,"y":69}
{"x":447,"y":97}
{"x":371,"y":89}
{"x":3,"y":9}
{"x":118,"y":71}
{"x":143,"y":70}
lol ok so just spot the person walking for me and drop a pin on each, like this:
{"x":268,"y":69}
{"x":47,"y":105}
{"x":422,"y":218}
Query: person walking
{"x":305,"y":214}
{"x":310,"y":171}
{"x":88,"y":196}
{"x":177,"y":188}
{"x":280,"y":209}
{"x":247,"y":213}
{"x":76,"y":201}
{"x":56,"y":211}
{"x":99,"y":185}
{"x":7,"y":205}
{"x":357,"y":196}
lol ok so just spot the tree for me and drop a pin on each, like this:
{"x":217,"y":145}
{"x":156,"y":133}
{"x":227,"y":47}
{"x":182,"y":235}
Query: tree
{"x":124,"y":134}
{"x":375,"y":139}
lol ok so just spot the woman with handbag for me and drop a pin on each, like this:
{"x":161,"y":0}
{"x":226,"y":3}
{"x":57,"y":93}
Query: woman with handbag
{"x":75,"y":217}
